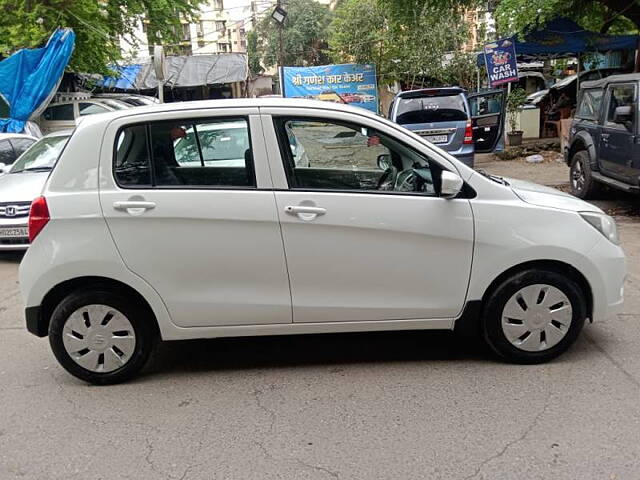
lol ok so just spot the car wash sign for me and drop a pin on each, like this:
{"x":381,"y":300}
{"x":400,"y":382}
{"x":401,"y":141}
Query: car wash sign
{"x":349,"y":83}
{"x":500,"y":59}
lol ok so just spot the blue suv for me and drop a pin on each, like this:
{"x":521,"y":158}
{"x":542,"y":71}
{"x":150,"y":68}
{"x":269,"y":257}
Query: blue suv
{"x":459,"y":123}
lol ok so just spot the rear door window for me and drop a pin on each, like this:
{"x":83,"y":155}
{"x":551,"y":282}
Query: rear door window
{"x":431,"y":109}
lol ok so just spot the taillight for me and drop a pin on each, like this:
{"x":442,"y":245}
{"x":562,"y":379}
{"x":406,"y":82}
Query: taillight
{"x":38,"y":217}
{"x":468,"y":133}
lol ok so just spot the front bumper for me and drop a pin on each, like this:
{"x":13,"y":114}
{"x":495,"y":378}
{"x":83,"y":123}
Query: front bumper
{"x":14,"y":243}
{"x":606,"y":272}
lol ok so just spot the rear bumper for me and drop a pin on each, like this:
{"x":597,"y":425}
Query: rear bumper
{"x":35,"y":322}
{"x":465,"y":154}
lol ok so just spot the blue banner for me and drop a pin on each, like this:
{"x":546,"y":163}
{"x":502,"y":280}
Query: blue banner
{"x":500,"y":59}
{"x":350,"y":84}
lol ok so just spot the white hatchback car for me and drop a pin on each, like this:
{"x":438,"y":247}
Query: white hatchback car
{"x":377,"y":230}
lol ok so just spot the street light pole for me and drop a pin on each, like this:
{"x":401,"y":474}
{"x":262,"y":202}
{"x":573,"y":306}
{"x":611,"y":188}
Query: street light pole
{"x":279,"y":15}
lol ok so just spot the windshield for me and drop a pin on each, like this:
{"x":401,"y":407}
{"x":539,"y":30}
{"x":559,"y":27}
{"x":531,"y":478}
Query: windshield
{"x":431,"y":109}
{"x":41,"y":156}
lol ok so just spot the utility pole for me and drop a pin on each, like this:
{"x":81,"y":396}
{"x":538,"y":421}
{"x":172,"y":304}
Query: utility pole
{"x":280,"y":35}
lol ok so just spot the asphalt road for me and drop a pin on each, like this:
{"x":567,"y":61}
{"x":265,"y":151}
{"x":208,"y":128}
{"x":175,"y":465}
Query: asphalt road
{"x":356,"y":406}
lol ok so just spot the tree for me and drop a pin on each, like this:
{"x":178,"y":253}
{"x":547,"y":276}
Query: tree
{"x":98,"y":25}
{"x":253,"y":56}
{"x":520,"y":16}
{"x":304,"y":35}
{"x":423,"y":45}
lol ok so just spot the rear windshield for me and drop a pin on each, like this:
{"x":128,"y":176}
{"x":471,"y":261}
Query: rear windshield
{"x":41,"y":156}
{"x":449,"y":108}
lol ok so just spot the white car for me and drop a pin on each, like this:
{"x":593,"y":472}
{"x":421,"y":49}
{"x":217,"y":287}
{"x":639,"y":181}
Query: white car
{"x":384,"y":231}
{"x":12,"y":145}
{"x":22,"y":183}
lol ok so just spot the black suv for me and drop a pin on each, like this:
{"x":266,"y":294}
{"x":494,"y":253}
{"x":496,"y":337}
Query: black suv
{"x":604,"y":141}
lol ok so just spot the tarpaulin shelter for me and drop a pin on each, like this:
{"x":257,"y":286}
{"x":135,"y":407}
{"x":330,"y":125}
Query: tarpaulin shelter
{"x":182,"y":71}
{"x":562,"y":37}
{"x":30,"y":77}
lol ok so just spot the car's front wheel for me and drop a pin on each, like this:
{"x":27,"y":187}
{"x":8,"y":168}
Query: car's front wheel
{"x":534,"y":316}
{"x":101,"y":336}
{"x":580,"y":179}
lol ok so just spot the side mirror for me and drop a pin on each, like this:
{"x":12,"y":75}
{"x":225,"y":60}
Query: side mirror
{"x":623,"y":115}
{"x":451,"y":184}
{"x":384,"y":162}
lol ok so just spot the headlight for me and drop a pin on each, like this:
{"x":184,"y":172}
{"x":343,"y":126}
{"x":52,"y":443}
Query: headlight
{"x":603,"y":223}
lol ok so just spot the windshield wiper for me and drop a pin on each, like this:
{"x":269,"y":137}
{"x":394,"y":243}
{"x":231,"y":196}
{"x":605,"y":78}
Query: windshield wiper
{"x":495,"y":178}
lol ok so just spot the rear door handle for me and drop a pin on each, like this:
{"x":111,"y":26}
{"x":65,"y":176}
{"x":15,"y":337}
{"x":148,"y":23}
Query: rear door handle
{"x":295,"y":209}
{"x":134,"y":205}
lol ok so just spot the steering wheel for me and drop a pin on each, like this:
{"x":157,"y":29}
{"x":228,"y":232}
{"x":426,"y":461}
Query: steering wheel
{"x":388,"y":179}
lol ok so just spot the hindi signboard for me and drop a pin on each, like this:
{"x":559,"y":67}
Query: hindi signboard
{"x":349,"y":83}
{"x":500,"y":59}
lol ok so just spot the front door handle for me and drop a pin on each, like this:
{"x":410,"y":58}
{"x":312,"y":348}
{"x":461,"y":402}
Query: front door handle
{"x":295,"y":209}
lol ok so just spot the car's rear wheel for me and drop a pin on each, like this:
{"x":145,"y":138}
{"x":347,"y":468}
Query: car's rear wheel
{"x":101,"y":336}
{"x":581,"y":181}
{"x":534,"y":316}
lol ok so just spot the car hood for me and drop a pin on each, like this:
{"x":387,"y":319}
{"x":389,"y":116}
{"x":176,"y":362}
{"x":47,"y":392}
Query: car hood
{"x":21,"y":187}
{"x":544,"y":196}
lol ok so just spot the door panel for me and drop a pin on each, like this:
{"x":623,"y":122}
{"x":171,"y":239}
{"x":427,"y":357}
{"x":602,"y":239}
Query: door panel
{"x":616,"y":149}
{"x":187,"y":218}
{"x":366,"y":236}
{"x":376,"y":256}
{"x":487,"y":119}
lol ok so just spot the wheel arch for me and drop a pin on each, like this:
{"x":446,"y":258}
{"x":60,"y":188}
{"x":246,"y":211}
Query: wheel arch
{"x":470,"y":322}
{"x":583,"y":141}
{"x":56,"y":294}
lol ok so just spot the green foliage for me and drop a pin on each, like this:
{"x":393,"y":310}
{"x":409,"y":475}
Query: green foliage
{"x":304,"y":35}
{"x":515,"y":100}
{"x":98,"y":25}
{"x":253,"y":56}
{"x":421,"y":42}
{"x":521,"y":16}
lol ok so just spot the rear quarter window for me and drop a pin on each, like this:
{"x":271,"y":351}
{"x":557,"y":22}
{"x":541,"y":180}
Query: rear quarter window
{"x":448,"y":108}
{"x":589,"y":104}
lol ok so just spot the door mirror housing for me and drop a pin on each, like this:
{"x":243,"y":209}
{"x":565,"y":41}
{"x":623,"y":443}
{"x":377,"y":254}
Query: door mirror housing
{"x":451,"y":184}
{"x":623,"y":115}
{"x":384,"y":162}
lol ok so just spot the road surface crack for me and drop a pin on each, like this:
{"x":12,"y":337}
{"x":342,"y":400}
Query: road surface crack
{"x":524,"y":434}
{"x":615,"y":363}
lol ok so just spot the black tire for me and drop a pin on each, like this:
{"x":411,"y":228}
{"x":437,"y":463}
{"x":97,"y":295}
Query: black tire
{"x":492,"y":318}
{"x":580,"y":179}
{"x":138,"y":316}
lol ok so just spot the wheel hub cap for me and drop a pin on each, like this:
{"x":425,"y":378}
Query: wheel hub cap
{"x":536,"y":317}
{"x":99,"y":338}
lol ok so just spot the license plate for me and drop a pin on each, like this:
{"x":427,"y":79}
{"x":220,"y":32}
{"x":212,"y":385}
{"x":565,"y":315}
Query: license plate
{"x":14,"y":232}
{"x":437,"y":138}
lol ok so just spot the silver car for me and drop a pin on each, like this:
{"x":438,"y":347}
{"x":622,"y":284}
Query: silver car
{"x":22,"y":184}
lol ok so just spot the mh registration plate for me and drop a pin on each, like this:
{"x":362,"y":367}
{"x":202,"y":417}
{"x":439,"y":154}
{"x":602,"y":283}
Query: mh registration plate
{"x":14,"y":232}
{"x":437,"y":138}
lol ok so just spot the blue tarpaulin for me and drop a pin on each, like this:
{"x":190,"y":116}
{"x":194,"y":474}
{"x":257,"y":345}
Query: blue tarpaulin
{"x":563,"y":37}
{"x":125,"y":79}
{"x":29,"y":77}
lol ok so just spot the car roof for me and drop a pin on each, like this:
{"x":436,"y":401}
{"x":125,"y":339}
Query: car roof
{"x":15,"y":135}
{"x":226,"y":103}
{"x":430,"y":92}
{"x":59,"y":133}
{"x":602,"y":82}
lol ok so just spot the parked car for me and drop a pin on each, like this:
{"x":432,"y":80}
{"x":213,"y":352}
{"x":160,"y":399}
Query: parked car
{"x":383,"y":232}
{"x":536,"y":97}
{"x":12,"y":145}
{"x":603,"y":147}
{"x":330,"y":96}
{"x":64,"y":115}
{"x":444,"y":117}
{"x":21,"y":185}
